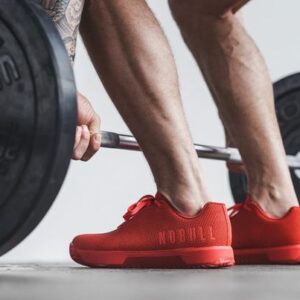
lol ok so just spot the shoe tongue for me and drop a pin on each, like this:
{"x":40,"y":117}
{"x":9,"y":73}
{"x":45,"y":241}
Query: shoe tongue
{"x":250,"y":203}
{"x":161,"y":198}
{"x":248,"y":199}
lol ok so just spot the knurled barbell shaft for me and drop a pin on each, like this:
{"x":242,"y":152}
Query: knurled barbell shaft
{"x":232,"y":155}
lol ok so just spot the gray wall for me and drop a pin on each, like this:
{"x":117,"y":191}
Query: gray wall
{"x":96,"y":194}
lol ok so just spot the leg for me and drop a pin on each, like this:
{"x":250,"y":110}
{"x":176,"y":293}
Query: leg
{"x":123,"y":38}
{"x":238,"y":79}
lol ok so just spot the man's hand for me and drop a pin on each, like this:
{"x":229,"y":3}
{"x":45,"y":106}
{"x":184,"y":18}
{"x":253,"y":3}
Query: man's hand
{"x":88,"y":137}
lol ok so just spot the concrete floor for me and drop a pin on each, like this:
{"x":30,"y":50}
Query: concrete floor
{"x":41,"y":281}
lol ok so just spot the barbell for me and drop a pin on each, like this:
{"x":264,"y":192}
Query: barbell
{"x":38,"y":113}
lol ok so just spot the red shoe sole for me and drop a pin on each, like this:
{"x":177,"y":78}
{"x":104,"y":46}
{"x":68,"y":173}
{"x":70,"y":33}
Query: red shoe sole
{"x":274,"y":255}
{"x":205,"y":257}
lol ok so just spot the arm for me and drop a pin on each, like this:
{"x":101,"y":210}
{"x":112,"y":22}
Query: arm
{"x":66,"y":15}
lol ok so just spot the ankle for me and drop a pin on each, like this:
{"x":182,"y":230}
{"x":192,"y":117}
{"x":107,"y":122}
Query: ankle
{"x":182,"y":184}
{"x":275,"y":201}
{"x":187,"y":201}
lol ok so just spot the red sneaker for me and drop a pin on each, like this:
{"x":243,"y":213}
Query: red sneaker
{"x":260,"y":239}
{"x":155,"y":235}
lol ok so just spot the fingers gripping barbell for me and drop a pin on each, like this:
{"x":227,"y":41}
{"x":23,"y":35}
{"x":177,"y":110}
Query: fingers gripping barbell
{"x":38,"y":120}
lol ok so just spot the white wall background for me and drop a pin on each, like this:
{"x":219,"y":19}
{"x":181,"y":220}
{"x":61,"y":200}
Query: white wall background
{"x":96,"y":194}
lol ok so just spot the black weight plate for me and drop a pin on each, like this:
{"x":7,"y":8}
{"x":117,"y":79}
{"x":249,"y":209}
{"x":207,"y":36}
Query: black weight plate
{"x":287,"y":102}
{"x":37,"y":118}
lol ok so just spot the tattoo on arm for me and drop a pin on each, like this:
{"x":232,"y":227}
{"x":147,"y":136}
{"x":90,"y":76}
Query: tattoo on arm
{"x":66,"y":14}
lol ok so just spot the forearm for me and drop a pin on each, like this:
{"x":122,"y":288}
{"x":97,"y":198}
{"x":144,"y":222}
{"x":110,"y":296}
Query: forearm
{"x":66,"y":15}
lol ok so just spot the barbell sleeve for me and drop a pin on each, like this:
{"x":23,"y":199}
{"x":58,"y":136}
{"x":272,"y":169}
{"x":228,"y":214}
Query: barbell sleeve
{"x":232,"y":155}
